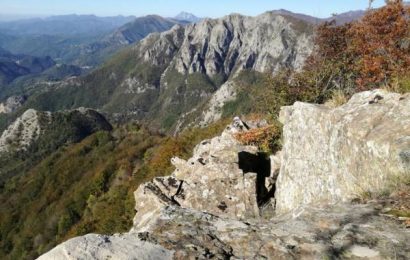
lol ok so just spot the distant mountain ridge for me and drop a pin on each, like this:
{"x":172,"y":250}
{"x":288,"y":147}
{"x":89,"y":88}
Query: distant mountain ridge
{"x":13,"y":66}
{"x":185,"y":16}
{"x":139,"y":28}
{"x":341,"y":18}
{"x":84,"y":50}
{"x":19,"y":73}
{"x":64,"y":25}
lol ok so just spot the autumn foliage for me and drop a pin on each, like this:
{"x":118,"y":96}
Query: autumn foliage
{"x":372,"y":51}
{"x":381,"y":41}
{"x":265,"y":138}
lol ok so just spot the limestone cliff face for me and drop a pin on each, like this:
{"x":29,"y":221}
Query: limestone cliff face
{"x":227,"y":45}
{"x":191,"y":67}
{"x":336,"y":154}
{"x":221,"y":202}
{"x":233,"y":43}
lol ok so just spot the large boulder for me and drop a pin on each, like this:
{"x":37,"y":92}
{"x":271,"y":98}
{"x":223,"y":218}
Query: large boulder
{"x":338,"y":154}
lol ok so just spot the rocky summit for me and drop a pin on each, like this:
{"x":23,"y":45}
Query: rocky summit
{"x":230,"y":201}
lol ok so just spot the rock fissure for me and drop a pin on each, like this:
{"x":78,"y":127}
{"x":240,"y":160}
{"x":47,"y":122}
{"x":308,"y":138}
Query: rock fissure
{"x":259,"y":164}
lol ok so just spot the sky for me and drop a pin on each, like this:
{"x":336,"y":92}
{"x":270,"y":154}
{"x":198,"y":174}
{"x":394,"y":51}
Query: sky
{"x":168,"y":8}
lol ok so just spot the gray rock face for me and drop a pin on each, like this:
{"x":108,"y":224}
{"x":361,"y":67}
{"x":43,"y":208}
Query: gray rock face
{"x":235,"y":42}
{"x":332,"y":155}
{"x":223,"y":178}
{"x":344,"y":231}
{"x":24,"y":131}
{"x":230,"y":44}
{"x":213,"y":112}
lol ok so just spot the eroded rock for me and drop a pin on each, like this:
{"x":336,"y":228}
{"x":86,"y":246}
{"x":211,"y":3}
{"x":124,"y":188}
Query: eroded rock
{"x":223,"y":177}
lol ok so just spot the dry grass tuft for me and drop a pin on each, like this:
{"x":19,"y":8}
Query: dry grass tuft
{"x":338,"y":98}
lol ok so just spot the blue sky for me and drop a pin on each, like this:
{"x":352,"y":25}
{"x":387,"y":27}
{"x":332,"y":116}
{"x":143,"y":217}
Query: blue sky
{"x":208,"y":8}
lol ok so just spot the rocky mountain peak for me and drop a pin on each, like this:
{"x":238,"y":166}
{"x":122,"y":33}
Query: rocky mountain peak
{"x":232,"y":43}
{"x":235,"y":42}
{"x":185,"y":16}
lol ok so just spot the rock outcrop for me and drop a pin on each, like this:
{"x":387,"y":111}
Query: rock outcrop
{"x":223,"y":177}
{"x":11,"y":104}
{"x":33,"y":126}
{"x":337,"y":154}
{"x":220,"y":204}
{"x":23,"y":131}
{"x":124,"y":247}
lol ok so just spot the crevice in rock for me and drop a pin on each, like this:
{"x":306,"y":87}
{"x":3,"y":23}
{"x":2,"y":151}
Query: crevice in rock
{"x":179,"y":190}
{"x":260,"y":164}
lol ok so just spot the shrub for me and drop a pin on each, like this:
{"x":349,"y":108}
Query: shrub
{"x":380,"y":41}
{"x":266,"y":138}
{"x":370,"y":52}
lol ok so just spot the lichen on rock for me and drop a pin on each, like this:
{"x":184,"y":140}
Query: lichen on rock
{"x":331,"y":155}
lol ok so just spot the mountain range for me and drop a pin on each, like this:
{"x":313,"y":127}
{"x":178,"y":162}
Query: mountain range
{"x":87,"y":40}
{"x":65,"y":25}
{"x":78,"y":40}
{"x":146,"y":80}
{"x":168,"y":78}
{"x":88,"y":114}
{"x":19,"y":72}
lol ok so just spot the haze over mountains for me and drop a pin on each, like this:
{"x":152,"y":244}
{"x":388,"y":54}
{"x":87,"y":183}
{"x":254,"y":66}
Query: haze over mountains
{"x":209,"y":53}
{"x":86,"y":40}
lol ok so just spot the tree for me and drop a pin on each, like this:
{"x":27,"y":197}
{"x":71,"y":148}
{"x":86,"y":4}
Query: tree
{"x":380,"y":43}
